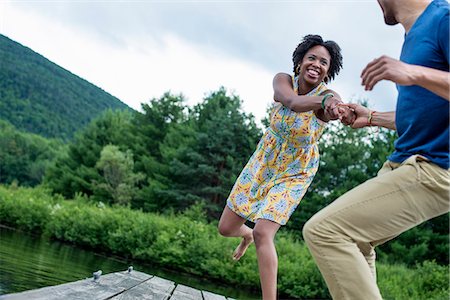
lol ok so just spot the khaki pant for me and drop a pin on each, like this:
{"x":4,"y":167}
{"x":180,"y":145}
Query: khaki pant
{"x":342,"y":236}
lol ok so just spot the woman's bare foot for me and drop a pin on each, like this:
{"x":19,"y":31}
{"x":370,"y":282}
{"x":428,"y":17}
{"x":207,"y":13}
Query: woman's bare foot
{"x":240,"y":250}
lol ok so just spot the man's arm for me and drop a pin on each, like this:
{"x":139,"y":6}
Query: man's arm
{"x":384,"y":119}
{"x":366,"y":117}
{"x":433,"y":80}
{"x":387,"y":68}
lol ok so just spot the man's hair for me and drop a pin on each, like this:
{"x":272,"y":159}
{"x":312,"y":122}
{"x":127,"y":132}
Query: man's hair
{"x":312,"y":40}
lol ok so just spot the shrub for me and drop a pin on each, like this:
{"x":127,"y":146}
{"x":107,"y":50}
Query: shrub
{"x":186,"y":242}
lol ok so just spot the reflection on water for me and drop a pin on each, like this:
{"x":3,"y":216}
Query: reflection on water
{"x":28,"y":262}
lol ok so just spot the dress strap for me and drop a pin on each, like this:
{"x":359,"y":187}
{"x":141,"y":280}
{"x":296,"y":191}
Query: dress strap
{"x":314,"y":92}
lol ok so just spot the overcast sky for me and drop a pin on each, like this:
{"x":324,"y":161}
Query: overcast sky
{"x":137,"y":50}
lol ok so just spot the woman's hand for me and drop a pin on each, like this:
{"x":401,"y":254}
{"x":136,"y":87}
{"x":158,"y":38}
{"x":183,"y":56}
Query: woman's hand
{"x":332,"y":108}
{"x":361,"y":115}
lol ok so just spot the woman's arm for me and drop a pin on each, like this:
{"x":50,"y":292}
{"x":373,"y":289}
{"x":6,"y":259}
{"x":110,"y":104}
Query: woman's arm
{"x":285,"y":94}
{"x":331,"y":114}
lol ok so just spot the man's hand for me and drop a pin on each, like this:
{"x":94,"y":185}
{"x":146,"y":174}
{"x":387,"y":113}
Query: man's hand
{"x":346,"y":115}
{"x":387,"y":68}
{"x":361,"y":114}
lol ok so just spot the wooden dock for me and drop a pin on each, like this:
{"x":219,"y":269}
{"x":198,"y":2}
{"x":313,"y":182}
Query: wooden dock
{"x":117,"y":286}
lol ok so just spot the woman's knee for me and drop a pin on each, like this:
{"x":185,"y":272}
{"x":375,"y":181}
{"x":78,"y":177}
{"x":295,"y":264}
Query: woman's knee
{"x":224,"y":229}
{"x":258,"y":235}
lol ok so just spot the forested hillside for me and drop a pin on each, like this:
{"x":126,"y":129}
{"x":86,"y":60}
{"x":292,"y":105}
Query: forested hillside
{"x":38,"y":96}
{"x":24,"y":157}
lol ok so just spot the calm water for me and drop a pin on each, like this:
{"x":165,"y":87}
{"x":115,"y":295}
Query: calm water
{"x":29,"y":262}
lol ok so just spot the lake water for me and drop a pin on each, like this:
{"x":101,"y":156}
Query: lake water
{"x":29,"y":262}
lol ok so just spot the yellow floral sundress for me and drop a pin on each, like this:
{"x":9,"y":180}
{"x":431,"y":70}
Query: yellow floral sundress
{"x":283,"y":166}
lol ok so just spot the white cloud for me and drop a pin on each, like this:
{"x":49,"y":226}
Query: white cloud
{"x":144,"y":68}
{"x":139,"y":50}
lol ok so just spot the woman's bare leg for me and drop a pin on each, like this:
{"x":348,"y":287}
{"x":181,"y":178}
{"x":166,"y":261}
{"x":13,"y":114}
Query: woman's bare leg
{"x":264,"y":233}
{"x":232,"y":225}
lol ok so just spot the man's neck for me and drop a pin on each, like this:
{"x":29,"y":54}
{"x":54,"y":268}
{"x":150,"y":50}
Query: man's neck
{"x":410,"y":11}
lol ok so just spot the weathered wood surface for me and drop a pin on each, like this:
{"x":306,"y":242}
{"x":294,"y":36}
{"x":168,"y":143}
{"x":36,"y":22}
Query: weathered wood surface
{"x":154,"y":288}
{"x":117,"y":286}
{"x":183,"y":292}
{"x":211,"y":296}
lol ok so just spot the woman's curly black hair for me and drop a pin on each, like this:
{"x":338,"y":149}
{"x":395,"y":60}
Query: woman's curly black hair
{"x":312,"y":40}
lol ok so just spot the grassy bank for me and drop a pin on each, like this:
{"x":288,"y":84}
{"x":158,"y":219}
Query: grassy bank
{"x":186,"y":242}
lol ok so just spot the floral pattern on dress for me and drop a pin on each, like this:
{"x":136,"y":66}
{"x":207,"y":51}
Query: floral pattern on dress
{"x":279,"y":172}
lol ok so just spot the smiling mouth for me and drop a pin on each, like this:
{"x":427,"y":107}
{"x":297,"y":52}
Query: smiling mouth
{"x":313,"y":73}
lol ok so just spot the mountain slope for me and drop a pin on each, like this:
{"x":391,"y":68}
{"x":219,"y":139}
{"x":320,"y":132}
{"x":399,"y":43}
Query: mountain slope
{"x":39,"y":96}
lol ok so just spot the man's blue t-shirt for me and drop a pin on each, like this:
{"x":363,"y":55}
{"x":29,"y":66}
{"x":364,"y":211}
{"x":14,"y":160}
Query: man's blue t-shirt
{"x":422,"y":117}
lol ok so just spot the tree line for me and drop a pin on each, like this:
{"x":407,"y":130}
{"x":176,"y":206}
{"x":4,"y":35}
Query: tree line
{"x":170,"y":156}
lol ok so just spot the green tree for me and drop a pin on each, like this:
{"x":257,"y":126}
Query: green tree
{"x":158,"y":116}
{"x":206,"y":153}
{"x":75,"y":171}
{"x":119,"y":179}
{"x":151,"y":127}
{"x":24,"y":157}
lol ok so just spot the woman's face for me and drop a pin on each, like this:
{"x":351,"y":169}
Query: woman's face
{"x":315,"y":65}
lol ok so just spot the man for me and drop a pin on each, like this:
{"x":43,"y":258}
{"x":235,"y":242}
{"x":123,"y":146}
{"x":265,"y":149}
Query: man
{"x":413,"y":185}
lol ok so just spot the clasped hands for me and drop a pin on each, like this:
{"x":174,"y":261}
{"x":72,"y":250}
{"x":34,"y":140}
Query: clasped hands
{"x":382,"y":68}
{"x":349,"y":114}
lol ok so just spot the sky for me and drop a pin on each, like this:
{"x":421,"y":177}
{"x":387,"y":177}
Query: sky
{"x":138,"y":50}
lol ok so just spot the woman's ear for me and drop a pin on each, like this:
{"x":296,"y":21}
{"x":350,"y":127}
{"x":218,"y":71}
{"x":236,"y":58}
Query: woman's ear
{"x":326,"y":79}
{"x":297,"y":69}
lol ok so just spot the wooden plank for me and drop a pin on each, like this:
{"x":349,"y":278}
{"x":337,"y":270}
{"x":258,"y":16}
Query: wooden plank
{"x":106,"y":287}
{"x":142,"y":291}
{"x":138,"y":275}
{"x":60,"y":291}
{"x":117,"y":286}
{"x":162,"y":284}
{"x":183,"y":292}
{"x":156,"y":289}
{"x":211,"y":296}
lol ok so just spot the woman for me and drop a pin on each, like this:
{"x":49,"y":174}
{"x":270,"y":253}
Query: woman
{"x":281,"y":169}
